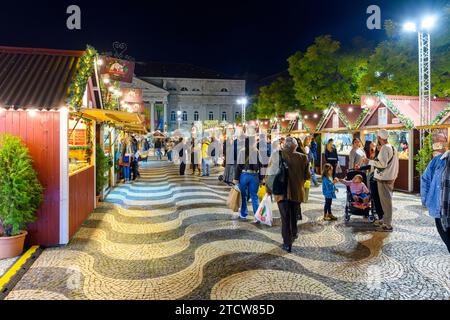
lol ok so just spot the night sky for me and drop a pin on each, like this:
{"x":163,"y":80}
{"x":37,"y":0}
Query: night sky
{"x":232,"y":37}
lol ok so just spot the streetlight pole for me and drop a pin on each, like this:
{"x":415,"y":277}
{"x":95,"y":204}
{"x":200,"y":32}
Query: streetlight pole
{"x":424,"y":46}
{"x":243,"y":102}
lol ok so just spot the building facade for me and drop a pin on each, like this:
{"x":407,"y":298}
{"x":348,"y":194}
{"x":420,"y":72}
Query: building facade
{"x":183,"y":94}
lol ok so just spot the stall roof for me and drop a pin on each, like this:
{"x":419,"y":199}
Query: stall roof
{"x":409,"y":106}
{"x":116,"y":117}
{"x":348,"y":115}
{"x":36,"y":78}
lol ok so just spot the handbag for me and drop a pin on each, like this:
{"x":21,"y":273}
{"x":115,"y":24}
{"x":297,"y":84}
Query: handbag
{"x":234,"y":199}
{"x":277,"y":184}
{"x":338,"y":168}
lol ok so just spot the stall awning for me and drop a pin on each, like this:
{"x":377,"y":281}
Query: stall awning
{"x":116,"y":117}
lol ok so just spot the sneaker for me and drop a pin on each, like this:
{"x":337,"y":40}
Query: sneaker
{"x":333,"y":218}
{"x":378,"y":223}
{"x":326,"y":217}
{"x":242,"y":218}
{"x":385,"y":228}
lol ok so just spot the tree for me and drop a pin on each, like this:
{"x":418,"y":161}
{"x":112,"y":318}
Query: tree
{"x":276,"y":98}
{"x":323,"y":74}
{"x":20,"y":189}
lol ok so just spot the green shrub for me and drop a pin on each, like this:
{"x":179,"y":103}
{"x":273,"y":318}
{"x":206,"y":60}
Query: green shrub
{"x":102,"y":163}
{"x":425,"y":155}
{"x":21,"y":193}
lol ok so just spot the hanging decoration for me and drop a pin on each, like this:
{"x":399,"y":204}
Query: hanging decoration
{"x":361,"y":118}
{"x":84,"y":71}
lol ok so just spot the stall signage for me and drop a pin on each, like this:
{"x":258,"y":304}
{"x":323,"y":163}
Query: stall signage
{"x":135,"y":107}
{"x":291,"y":116}
{"x":132,"y":95}
{"x":117,"y":69}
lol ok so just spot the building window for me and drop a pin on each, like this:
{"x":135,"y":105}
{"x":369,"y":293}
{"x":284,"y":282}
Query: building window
{"x":335,"y":121}
{"x":196,"y":116}
{"x":236,"y":116}
{"x":196,"y":90}
{"x":184,"y":89}
{"x":173,"y":116}
{"x":211,"y":115}
{"x":224,"y":90}
{"x":172,"y":89}
{"x":382,"y":117}
{"x":185,"y":116}
{"x":224,"y":116}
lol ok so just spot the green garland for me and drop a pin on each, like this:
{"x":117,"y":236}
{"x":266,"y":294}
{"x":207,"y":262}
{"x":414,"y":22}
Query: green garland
{"x":109,"y":102}
{"x":441,"y":115}
{"x":424,"y":155}
{"x":342,"y":116}
{"x":84,"y":71}
{"x":361,"y":118}
{"x":405,"y":120}
{"x":74,"y":148}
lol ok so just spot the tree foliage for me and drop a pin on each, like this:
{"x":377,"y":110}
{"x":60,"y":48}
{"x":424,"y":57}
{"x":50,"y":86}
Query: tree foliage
{"x":20,"y":190}
{"x":323,"y":74}
{"x":102,"y":165}
{"x":276,"y":98}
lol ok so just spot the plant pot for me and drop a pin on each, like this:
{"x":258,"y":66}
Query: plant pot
{"x":11,"y":247}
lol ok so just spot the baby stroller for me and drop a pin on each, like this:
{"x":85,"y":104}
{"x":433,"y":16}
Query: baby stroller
{"x":350,"y":209}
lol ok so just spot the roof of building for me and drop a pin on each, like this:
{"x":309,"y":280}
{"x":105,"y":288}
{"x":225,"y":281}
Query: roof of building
{"x":177,"y":70}
{"x":36,"y":78}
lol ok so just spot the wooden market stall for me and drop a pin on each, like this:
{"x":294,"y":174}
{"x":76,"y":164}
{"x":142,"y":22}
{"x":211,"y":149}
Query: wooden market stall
{"x":339,"y":123}
{"x":37,"y":88}
{"x":400,"y":116}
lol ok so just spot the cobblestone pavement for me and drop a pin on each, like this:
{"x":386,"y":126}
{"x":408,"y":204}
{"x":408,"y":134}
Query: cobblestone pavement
{"x":171,"y":237}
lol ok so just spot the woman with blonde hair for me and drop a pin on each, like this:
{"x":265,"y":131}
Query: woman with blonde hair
{"x":331,"y":155}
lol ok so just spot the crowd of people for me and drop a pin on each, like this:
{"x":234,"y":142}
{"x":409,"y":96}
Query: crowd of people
{"x":250,"y":160}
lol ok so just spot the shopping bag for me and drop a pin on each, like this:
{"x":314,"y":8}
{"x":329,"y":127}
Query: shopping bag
{"x":338,"y":168}
{"x":234,"y":199}
{"x":307,"y":184}
{"x":264,"y":212}
{"x":261,"y":192}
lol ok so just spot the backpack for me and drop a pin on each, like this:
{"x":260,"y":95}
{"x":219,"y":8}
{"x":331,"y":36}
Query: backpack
{"x":277,"y":184}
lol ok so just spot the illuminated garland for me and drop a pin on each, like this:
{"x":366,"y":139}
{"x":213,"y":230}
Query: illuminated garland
{"x":304,"y":125}
{"x":361,"y":118}
{"x":109,"y":101}
{"x":405,"y":120}
{"x":322,"y":120}
{"x":84,"y":71}
{"x":441,"y":115}
{"x":342,"y":116}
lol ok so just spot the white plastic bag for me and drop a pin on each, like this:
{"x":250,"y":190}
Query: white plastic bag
{"x":264,"y":213}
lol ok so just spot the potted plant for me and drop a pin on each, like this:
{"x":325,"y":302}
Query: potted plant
{"x":21,"y":194}
{"x":102,"y":165}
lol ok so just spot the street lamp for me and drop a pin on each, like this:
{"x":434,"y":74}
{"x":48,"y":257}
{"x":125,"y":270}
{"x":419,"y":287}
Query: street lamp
{"x":424,"y":41}
{"x":243,"y":102}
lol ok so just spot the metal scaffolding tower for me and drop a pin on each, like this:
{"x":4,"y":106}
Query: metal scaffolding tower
{"x":424,"y":82}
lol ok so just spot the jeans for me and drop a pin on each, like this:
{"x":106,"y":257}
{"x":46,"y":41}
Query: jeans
{"x":314,"y":177}
{"x":169,"y":155}
{"x":126,"y":173}
{"x":328,"y":203}
{"x":249,"y":182}
{"x":182,"y":168}
{"x":206,"y":164}
{"x":158,"y":154}
{"x":289,"y":211}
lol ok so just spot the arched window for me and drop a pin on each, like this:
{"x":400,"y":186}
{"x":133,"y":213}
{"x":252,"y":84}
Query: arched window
{"x":196,"y":90}
{"x":224,"y":116}
{"x":184,"y":89}
{"x":224,"y":90}
{"x":185,"y":116}
{"x":173,"y":116}
{"x":211,"y":115}
{"x":196,"y":116}
{"x":236,"y":115}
